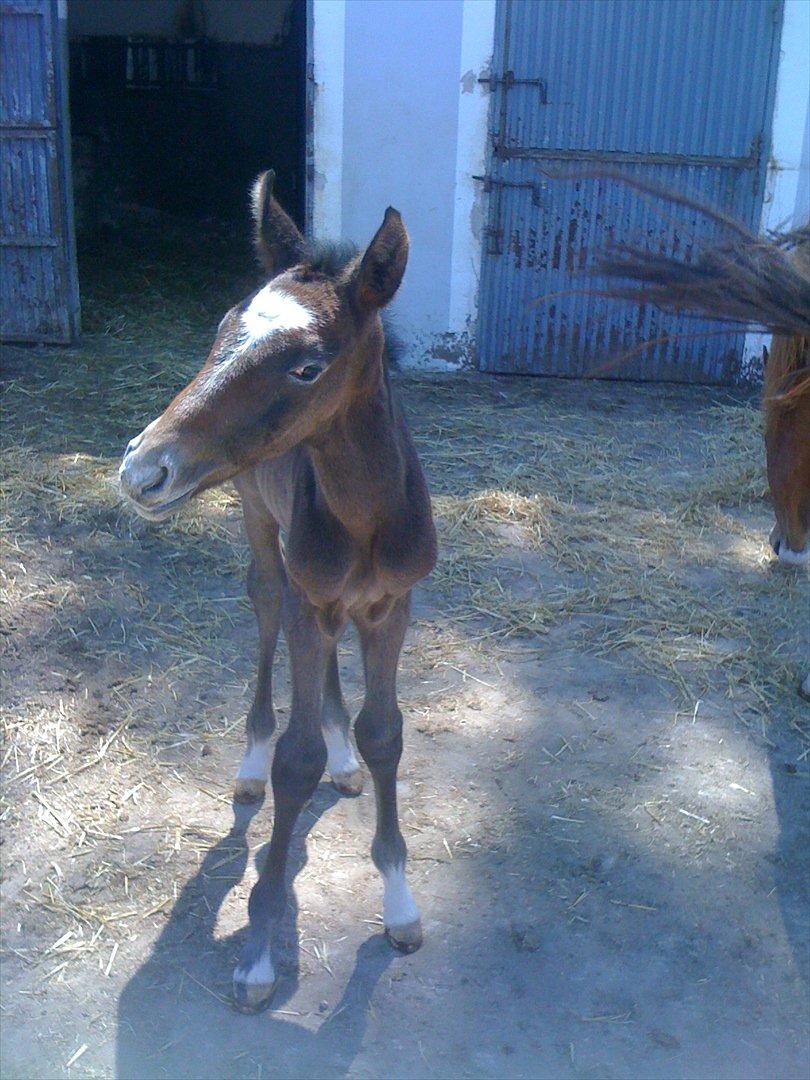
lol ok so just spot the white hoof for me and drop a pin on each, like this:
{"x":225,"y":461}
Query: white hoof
{"x":253,"y":987}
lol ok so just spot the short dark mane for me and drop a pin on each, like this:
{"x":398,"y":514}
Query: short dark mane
{"x":330,"y":257}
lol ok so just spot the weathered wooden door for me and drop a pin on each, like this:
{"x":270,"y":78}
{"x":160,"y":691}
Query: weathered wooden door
{"x":39,"y":294}
{"x":676,"y":93}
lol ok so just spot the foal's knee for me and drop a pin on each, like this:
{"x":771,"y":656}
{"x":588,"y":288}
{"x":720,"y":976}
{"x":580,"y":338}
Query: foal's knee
{"x":379,"y":736}
{"x":256,"y":587}
{"x":262,"y":590}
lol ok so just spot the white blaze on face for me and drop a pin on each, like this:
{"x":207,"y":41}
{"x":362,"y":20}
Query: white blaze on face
{"x":272,"y":311}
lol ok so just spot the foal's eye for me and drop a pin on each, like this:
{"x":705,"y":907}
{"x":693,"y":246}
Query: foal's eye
{"x":306,"y":372}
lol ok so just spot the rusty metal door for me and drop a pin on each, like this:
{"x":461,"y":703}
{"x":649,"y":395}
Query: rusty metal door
{"x":39,"y":293}
{"x":674,"y":92}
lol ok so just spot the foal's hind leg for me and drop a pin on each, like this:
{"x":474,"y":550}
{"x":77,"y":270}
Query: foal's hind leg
{"x":298,"y":765}
{"x":342,"y":764}
{"x":378,"y":731}
{"x":265,"y":583}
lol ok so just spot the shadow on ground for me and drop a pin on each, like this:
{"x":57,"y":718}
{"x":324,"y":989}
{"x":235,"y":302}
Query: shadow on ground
{"x":163,"y":1020}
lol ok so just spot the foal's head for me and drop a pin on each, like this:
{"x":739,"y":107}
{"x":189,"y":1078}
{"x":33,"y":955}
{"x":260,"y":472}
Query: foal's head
{"x":284,"y":362}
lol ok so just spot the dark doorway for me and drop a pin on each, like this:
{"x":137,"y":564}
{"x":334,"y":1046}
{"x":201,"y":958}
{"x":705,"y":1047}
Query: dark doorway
{"x":175,"y":106}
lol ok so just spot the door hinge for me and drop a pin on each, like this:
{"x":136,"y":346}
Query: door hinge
{"x":508,"y":80}
{"x":493,"y":229}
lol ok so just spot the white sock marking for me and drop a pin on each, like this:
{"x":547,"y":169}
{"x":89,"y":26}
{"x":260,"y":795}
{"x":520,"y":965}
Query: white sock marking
{"x":272,"y":311}
{"x":261,"y":974}
{"x":399,"y":906}
{"x":341,"y":756}
{"x":256,"y":762}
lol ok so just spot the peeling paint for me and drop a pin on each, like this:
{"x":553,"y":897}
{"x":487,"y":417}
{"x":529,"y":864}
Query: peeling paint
{"x":468,"y":81}
{"x":446,"y":352}
{"x":469,"y":217}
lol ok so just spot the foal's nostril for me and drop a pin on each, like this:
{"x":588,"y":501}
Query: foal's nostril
{"x":142,"y":480}
{"x":157,"y":483}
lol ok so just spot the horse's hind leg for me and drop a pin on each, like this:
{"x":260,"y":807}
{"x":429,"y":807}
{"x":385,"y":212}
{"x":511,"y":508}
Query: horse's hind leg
{"x":378,"y":731}
{"x":266,"y":579}
{"x":342,"y":764}
{"x":298,"y":765}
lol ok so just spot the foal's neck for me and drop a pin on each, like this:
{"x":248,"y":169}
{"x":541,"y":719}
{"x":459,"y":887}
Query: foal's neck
{"x":359,"y":462}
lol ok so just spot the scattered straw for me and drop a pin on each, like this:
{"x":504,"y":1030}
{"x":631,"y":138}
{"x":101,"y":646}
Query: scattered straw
{"x":629,"y":518}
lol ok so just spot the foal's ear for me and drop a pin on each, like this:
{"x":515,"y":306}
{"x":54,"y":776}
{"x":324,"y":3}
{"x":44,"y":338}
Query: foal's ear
{"x":279,"y":244}
{"x":380,"y":272}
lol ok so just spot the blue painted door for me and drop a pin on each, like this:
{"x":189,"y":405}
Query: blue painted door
{"x":674,"y":92}
{"x":39,"y":296}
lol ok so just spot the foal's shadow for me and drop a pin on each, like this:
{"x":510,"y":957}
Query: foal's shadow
{"x":174,"y":1018}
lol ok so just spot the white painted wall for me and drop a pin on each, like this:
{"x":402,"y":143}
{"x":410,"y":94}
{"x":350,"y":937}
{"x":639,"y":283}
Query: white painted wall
{"x":400,"y":119}
{"x":477,"y":42}
{"x":327,"y":51}
{"x":787,"y":194}
{"x":787,"y":187}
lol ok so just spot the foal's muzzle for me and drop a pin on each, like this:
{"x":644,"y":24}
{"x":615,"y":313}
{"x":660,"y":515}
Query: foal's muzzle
{"x":147,"y":477}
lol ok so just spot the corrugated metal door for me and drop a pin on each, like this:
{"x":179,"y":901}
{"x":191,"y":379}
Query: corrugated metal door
{"x":674,"y":92}
{"x":39,"y":296}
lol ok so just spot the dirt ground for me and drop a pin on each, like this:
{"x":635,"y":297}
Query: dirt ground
{"x":604,"y":789}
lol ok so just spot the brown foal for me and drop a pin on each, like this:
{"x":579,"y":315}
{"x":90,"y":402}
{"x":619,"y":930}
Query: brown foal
{"x":294,"y":405}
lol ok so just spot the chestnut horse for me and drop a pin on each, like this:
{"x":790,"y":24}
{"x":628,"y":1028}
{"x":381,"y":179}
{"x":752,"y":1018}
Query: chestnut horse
{"x":787,"y":451}
{"x":755,"y":281}
{"x":294,"y":404}
{"x":786,"y":399}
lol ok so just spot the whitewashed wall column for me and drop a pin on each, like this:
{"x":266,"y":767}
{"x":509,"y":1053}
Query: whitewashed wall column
{"x":787,"y":186}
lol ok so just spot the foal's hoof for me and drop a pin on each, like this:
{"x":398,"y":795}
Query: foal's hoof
{"x":253,"y":983}
{"x":252,"y":997}
{"x":349,"y":783}
{"x":248,"y":791}
{"x":407,"y":938}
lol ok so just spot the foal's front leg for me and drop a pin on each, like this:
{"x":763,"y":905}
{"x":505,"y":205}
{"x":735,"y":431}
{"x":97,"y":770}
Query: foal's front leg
{"x":298,"y":765}
{"x":266,"y":582}
{"x":378,"y":731}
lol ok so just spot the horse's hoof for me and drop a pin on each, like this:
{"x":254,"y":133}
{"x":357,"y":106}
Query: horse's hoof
{"x":349,"y":783}
{"x":248,"y":791}
{"x":252,"y":997}
{"x":407,"y":938}
{"x":253,"y":983}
